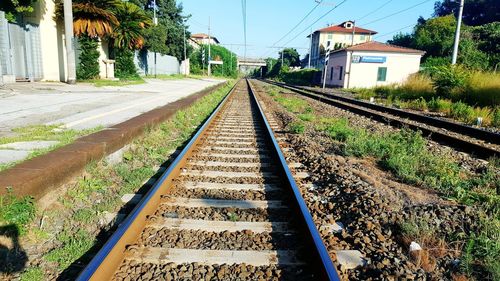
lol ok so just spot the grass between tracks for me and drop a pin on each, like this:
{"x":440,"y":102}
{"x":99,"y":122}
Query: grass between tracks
{"x":406,"y":154}
{"x":75,"y":223}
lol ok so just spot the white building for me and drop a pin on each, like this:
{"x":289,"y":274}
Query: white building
{"x":336,"y":37}
{"x":199,"y":39}
{"x":371,"y":64}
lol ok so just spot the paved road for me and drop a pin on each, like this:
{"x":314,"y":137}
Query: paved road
{"x":85,"y":106}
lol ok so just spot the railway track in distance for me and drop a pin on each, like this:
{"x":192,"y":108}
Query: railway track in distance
{"x":227,"y":208}
{"x":475,"y":141}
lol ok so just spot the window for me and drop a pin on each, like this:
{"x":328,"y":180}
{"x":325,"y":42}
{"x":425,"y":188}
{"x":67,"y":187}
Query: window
{"x":330,"y":36}
{"x":340,"y":72}
{"x":362,"y":37}
{"x":382,"y":74}
{"x":331,"y":73}
{"x":348,"y":37}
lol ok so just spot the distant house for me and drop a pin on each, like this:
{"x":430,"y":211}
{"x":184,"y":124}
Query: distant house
{"x":371,"y":64}
{"x":336,"y":37}
{"x":199,"y":39}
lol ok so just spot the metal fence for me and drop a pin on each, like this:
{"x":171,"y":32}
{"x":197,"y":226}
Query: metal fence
{"x":20,"y":50}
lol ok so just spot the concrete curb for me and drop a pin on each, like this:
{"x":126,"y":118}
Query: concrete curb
{"x":37,"y":176}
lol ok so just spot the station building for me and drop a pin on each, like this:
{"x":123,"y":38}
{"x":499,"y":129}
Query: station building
{"x":371,"y":64}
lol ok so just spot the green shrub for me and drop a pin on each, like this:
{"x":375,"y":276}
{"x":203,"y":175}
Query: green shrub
{"x":417,"y":104}
{"x":297,"y":127}
{"x":88,"y":65}
{"x":339,"y":129}
{"x":449,"y":81}
{"x":302,"y":77}
{"x":364,"y":93}
{"x":124,"y":65}
{"x":18,"y":211}
{"x":462,"y":112}
{"x":306,"y":117}
{"x":495,"y":119}
{"x":383,"y":91}
{"x":436,"y":61}
{"x":440,"y":105}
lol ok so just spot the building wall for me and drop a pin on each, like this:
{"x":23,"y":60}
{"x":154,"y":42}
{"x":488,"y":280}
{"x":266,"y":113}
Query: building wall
{"x":322,"y":39}
{"x":364,"y":75}
{"x":52,"y":41}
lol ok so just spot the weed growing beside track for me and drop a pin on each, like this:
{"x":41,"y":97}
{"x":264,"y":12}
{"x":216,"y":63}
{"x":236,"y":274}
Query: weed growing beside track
{"x":76,"y":224}
{"x":406,"y":154}
{"x":44,"y":133}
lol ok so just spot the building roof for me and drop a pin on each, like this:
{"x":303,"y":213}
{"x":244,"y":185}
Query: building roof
{"x":375,"y":46}
{"x":204,"y":36}
{"x":341,"y":28}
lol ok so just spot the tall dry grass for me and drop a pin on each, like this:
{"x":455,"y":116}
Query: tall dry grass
{"x":415,"y":87}
{"x":483,"y":89}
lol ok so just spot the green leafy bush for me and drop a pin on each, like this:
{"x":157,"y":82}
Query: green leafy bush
{"x":302,"y":77}
{"x":124,"y":65}
{"x":18,"y":211}
{"x":449,"y":81}
{"x":440,"y":105}
{"x":462,"y":112}
{"x":88,"y":66}
{"x":495,"y":120}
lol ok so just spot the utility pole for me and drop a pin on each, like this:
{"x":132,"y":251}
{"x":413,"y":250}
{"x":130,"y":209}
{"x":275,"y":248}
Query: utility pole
{"x":185,"y":54}
{"x":70,"y":48}
{"x":353,"y":32}
{"x":209,"y":50}
{"x":457,"y":33}
{"x":310,"y":47}
{"x":155,"y":22}
{"x":282,"y":59}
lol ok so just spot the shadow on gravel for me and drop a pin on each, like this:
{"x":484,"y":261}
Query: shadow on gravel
{"x":13,"y":258}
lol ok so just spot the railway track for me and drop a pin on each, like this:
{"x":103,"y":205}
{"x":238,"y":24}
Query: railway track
{"x":478,"y":142}
{"x":227,"y":208}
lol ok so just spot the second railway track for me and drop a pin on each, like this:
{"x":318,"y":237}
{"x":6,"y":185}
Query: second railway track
{"x":227,"y":208}
{"x":476,"y":141}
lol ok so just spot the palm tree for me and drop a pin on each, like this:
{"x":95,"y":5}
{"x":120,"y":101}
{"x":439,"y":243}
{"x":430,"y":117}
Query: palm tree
{"x":93,"y":18}
{"x":128,"y":33}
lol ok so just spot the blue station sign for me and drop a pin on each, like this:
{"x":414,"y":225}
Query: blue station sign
{"x":373,"y":59}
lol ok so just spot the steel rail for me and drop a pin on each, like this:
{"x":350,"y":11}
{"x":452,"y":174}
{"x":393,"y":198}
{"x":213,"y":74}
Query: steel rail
{"x":107,"y":260}
{"x":103,"y":265}
{"x":368,"y":110}
{"x":328,"y":269}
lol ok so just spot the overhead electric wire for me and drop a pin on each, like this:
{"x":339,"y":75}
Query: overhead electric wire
{"x":320,"y":18}
{"x":297,"y":25}
{"x":398,"y":12}
{"x":394,"y":31}
{"x":376,"y":10}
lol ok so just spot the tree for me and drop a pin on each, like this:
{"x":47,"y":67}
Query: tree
{"x":219,"y":53}
{"x":128,"y":36}
{"x":403,"y":40}
{"x":436,"y":36}
{"x":476,"y":12}
{"x":488,"y":39}
{"x":129,"y":32}
{"x":170,"y":28}
{"x":14,"y":7}
{"x":290,"y":57}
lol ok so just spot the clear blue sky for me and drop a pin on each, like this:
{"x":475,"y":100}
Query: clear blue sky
{"x":269,"y":20}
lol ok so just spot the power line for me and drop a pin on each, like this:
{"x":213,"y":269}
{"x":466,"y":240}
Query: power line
{"x":398,"y":12}
{"x":297,"y":25}
{"x":376,"y":10}
{"x":394,"y":31}
{"x":320,"y":18}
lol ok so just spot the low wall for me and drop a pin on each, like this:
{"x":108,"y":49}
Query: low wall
{"x":145,"y":63}
{"x":37,"y":176}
